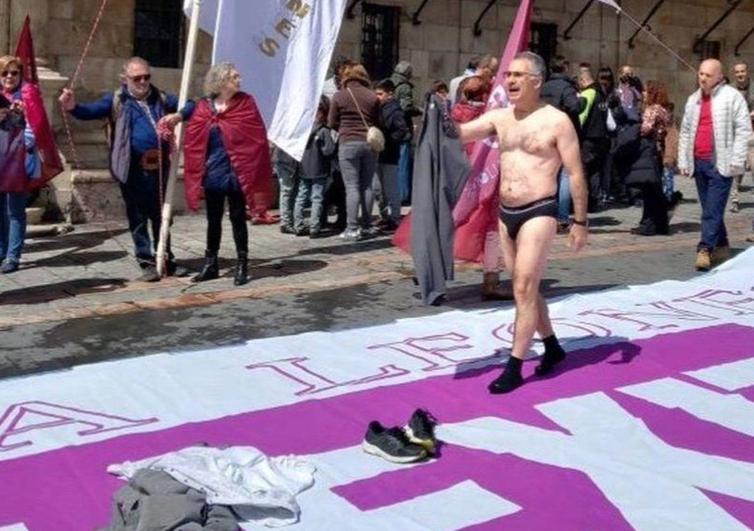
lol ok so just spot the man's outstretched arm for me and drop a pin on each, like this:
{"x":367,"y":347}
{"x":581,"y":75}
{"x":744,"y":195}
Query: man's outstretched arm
{"x":478,"y":129}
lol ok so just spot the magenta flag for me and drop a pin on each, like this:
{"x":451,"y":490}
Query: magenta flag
{"x":475,"y":214}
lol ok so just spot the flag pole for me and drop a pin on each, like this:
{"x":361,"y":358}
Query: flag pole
{"x":188,"y":67}
{"x":643,"y":27}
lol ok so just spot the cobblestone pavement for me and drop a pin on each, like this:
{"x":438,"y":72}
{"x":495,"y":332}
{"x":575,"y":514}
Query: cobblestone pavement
{"x":75,"y":300}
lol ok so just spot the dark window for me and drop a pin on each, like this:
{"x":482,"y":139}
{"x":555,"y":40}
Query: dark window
{"x":379,"y":47}
{"x":544,"y":40}
{"x":159,"y":32}
{"x":709,"y":50}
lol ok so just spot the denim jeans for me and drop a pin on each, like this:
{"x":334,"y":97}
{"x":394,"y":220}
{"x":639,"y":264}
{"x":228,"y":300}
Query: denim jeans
{"x":313,"y":189}
{"x":713,"y":190}
{"x":357,"y":164}
{"x":141,"y":193}
{"x":289,"y":174}
{"x":386,"y":190}
{"x":668,"y":184}
{"x":12,"y":225}
{"x":564,"y":196}
{"x":405,"y":170}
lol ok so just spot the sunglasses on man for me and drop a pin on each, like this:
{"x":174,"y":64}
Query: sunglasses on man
{"x":140,"y":79}
{"x":10,"y":73}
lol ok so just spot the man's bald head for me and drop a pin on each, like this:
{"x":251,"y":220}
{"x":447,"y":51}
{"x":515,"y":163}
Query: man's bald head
{"x":710,"y":75}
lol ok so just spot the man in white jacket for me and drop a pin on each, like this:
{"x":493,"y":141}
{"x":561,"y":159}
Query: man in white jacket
{"x":712,"y":147}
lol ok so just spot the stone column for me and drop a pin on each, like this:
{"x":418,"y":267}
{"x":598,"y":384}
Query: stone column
{"x":5,"y":9}
{"x":39,"y":12}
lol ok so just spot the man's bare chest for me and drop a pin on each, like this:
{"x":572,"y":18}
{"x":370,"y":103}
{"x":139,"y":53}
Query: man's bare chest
{"x":535,"y":138}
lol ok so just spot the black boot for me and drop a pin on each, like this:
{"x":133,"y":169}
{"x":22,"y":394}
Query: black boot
{"x":210,"y":270}
{"x":242,"y":270}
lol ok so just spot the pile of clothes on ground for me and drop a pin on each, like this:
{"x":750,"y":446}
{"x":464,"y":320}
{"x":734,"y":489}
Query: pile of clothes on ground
{"x":212,"y":489}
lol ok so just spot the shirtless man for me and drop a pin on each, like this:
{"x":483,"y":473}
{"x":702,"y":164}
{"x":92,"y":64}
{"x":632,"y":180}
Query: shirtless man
{"x":535,"y":140}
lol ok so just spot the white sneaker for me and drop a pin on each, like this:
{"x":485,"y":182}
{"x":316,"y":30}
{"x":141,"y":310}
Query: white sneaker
{"x":351,"y":235}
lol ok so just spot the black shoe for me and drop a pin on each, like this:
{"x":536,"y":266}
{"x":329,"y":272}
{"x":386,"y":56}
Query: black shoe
{"x":506,"y":382}
{"x":315,"y":233}
{"x":549,"y":360}
{"x":421,"y":430}
{"x":176,"y":270}
{"x":303,"y":231}
{"x":391,"y":444}
{"x":242,"y":270}
{"x":149,"y":274}
{"x":287,"y":229}
{"x":9,"y":267}
{"x":643,"y":231}
{"x":210,"y":271}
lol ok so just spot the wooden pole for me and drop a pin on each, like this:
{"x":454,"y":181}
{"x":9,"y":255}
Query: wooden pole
{"x":188,"y":67}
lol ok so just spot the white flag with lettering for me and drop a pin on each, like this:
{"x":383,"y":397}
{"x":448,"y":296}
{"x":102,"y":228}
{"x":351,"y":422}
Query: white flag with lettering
{"x":611,"y":3}
{"x":282,"y":49}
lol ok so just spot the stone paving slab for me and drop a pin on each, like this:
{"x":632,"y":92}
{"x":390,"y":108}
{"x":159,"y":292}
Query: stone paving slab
{"x":90,"y":272}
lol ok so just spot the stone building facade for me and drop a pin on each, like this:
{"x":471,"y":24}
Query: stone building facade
{"x":437,"y":36}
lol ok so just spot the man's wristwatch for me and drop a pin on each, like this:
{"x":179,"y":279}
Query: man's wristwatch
{"x":584,"y":223}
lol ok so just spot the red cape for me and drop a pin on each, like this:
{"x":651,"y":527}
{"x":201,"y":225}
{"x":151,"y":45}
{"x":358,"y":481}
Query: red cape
{"x":36,"y":116}
{"x":245,"y":139}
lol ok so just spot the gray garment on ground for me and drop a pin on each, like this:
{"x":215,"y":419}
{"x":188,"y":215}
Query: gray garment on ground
{"x":154,"y":501}
{"x":440,"y":173}
{"x":357,"y":165}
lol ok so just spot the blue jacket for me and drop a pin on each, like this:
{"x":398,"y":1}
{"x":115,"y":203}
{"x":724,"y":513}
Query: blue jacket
{"x":143,"y":134}
{"x":396,"y":130}
{"x":219,"y":176}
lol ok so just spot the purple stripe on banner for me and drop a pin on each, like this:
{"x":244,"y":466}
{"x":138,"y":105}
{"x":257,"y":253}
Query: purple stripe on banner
{"x":69,"y":489}
{"x":543,"y":491}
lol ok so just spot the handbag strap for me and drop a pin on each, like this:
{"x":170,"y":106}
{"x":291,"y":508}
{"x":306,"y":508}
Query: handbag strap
{"x":358,"y":108}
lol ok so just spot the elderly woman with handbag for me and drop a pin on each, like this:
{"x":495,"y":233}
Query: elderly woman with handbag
{"x":354,"y":113}
{"x":20,"y":163}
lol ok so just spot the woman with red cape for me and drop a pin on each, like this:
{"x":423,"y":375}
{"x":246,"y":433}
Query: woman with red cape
{"x":226,"y":158}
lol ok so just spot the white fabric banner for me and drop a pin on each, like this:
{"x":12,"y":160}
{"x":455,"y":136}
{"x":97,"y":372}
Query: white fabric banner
{"x":282,"y":49}
{"x":611,"y":3}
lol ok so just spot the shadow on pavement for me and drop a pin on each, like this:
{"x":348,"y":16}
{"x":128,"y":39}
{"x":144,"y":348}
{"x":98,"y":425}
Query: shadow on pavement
{"x":686,"y":226}
{"x":61,"y":290}
{"x":77,"y":258}
{"x":260,"y":268}
{"x":350,"y":248}
{"x":77,"y":240}
{"x":469,"y":297}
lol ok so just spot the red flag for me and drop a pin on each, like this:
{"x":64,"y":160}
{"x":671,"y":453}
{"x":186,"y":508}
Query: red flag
{"x":475,"y":213}
{"x":25,"y":51}
{"x":36,"y":115}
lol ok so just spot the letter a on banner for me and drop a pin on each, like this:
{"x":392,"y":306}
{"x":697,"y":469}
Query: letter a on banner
{"x":282,"y":50}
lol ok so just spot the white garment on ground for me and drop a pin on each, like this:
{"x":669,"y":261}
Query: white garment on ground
{"x":260,"y":489}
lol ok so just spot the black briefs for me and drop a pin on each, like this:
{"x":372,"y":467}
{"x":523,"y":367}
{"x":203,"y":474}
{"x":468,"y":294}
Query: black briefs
{"x":514,"y":217}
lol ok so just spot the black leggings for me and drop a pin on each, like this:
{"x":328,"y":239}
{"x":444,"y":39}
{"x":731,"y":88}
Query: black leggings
{"x":654,"y":215}
{"x":237,"y":212}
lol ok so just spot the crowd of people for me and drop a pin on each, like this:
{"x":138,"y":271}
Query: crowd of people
{"x":359,"y":152}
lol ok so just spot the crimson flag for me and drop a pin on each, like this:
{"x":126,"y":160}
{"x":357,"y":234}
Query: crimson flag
{"x":36,"y":115}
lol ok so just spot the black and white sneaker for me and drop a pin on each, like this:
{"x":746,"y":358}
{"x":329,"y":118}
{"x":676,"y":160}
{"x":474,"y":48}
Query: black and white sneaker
{"x":421,"y":430}
{"x":391,"y":444}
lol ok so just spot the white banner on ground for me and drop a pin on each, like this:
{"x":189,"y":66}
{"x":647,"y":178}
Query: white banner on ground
{"x":282,"y":49}
{"x":166,"y":390}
